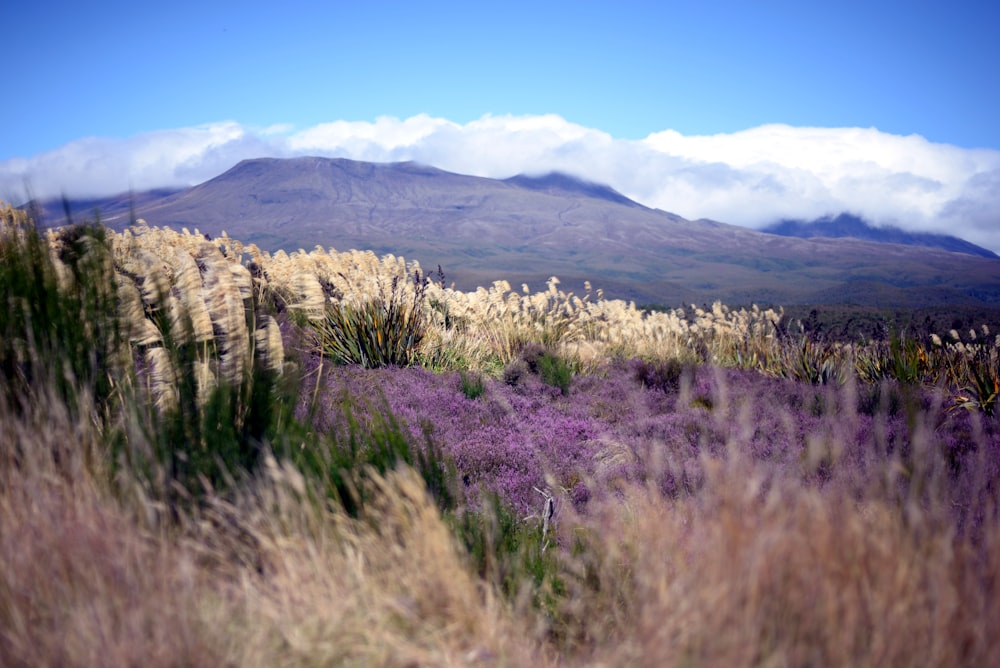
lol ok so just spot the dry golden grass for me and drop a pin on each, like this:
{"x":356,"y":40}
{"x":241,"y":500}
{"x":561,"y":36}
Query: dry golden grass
{"x":187,"y":276}
{"x":743,"y":575}
{"x":478,"y":330}
{"x":751,"y":568}
{"x":388,"y":590}
{"x":273,"y":579}
{"x":83,"y":583}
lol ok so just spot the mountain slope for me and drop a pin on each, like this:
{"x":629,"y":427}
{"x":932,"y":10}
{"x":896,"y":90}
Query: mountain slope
{"x":525,"y":229}
{"x":846,"y":225}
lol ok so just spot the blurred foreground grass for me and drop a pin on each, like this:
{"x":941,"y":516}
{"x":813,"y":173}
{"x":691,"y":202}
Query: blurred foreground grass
{"x":162,"y":503}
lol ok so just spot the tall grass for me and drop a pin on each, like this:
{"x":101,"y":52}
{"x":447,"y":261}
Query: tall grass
{"x":163,"y":503}
{"x":745,"y":575}
{"x":381,"y":331}
{"x":58,"y":319}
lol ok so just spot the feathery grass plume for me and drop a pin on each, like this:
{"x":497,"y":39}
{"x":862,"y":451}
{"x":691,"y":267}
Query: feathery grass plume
{"x":231,"y":248}
{"x":242,"y":279}
{"x":763,"y":522}
{"x":206,"y":380}
{"x":308,"y":296}
{"x":139,"y":329}
{"x":215,"y":407}
{"x":229,"y":318}
{"x":154,"y":282}
{"x":161,"y":378}
{"x":268,"y":345}
{"x":188,"y":309}
{"x":206,"y":435}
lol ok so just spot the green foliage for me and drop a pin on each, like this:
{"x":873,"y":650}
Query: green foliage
{"x":902,"y":359}
{"x":981,"y":380}
{"x":571,"y":587}
{"x":472,"y":385}
{"x":908,"y":361}
{"x":554,"y":371}
{"x":814,"y":362}
{"x":384,"y":331}
{"x":538,"y":359}
{"x":345,"y":459}
{"x":58,"y":320}
{"x":508,"y":553}
{"x":61,"y":335}
{"x":204,"y":445}
{"x":211,"y":437}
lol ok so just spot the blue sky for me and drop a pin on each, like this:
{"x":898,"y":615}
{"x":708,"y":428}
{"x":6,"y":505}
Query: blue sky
{"x":106,"y":96}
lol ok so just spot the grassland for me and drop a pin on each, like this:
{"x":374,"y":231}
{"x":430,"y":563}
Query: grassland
{"x":212,"y":455}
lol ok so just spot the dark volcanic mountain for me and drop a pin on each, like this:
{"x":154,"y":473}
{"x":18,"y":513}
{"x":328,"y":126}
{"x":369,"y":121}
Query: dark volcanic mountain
{"x":525,"y":229}
{"x":846,"y":225}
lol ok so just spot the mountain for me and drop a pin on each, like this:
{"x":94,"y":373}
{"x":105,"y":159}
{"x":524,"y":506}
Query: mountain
{"x":55,"y":210}
{"x":847,"y":225}
{"x":528,"y":228}
{"x":559,"y":183}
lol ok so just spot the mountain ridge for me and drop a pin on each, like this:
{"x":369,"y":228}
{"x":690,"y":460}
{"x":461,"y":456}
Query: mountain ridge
{"x":849,"y":225}
{"x":528,"y":228}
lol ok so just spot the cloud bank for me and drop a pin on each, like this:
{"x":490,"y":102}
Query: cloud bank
{"x":750,"y":178}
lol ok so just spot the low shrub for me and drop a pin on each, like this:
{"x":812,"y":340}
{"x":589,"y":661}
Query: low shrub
{"x":353,"y":450}
{"x":554,"y":371}
{"x":383,"y":331}
{"x":664,"y":376}
{"x":532,"y":355}
{"x":472,"y":385}
{"x":515,"y":372}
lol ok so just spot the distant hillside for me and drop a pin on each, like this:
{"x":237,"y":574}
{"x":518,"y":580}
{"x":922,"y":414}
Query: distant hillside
{"x":559,"y":183}
{"x":53,"y":212}
{"x":527,"y":228}
{"x":846,"y":225}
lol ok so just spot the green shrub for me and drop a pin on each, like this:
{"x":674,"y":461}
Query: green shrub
{"x":509,"y":553}
{"x":59,"y":326}
{"x":215,"y":430}
{"x":537,"y":359}
{"x":554,"y":371}
{"x":385,"y":331}
{"x":901,"y":359}
{"x":515,"y":372}
{"x":343,"y":460}
{"x":205,"y":444}
{"x":472,"y":385}
{"x":811,"y":361}
{"x":981,"y":384}
{"x":664,"y":376}
{"x":532,"y":355}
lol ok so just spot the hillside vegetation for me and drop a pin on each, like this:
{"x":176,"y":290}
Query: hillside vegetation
{"x":526,"y":229}
{"x":213,"y":455}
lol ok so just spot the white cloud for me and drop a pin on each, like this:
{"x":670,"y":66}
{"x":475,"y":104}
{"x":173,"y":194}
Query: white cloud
{"x":96,"y":166}
{"x":749,"y":178}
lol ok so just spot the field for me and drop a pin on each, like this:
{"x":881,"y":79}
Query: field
{"x":212,"y":455}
